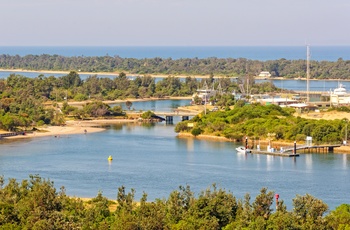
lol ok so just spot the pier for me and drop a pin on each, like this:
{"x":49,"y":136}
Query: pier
{"x":317,"y":148}
{"x":10,"y":134}
{"x":276,"y":153}
{"x":295,"y":151}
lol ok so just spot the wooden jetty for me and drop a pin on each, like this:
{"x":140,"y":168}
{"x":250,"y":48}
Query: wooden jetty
{"x":315,"y":148}
{"x":290,"y":152}
{"x":10,"y":134}
{"x":276,"y":153}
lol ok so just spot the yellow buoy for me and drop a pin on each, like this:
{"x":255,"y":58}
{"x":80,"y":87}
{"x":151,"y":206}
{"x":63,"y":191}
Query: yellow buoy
{"x":110,"y":158}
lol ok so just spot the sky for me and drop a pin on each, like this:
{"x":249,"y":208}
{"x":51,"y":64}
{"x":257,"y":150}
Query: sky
{"x":174,"y":22}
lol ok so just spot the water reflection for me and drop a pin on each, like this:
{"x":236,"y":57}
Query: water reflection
{"x":345,"y":161}
{"x":308,"y":161}
{"x":109,"y":166}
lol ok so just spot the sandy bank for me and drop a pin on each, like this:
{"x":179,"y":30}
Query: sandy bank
{"x":72,"y":127}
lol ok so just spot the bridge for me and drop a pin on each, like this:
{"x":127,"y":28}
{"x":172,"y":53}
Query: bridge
{"x":168,"y":116}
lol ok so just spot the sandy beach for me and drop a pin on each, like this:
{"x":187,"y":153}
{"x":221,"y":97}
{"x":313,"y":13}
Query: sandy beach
{"x":71,"y":128}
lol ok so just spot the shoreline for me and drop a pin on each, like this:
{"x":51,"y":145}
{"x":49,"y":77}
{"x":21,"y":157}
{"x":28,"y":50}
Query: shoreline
{"x":90,"y":126}
{"x":344,"y":149}
{"x":72,"y":128}
{"x":105,"y":73}
{"x":152,"y":75}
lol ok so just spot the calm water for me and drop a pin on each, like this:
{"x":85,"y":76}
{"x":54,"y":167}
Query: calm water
{"x":156,"y":105}
{"x":151,"y":158}
{"x":263,"y":53}
{"x":320,"y":85}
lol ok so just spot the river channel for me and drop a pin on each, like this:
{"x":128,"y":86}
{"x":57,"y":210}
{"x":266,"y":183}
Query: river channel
{"x":152,"y":159}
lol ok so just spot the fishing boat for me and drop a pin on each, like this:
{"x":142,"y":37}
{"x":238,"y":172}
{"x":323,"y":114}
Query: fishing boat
{"x":110,"y":158}
{"x":242,"y":149}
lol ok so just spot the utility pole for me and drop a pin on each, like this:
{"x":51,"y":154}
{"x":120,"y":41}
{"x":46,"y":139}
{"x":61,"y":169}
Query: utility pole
{"x":307,"y":74}
{"x":205,"y":101}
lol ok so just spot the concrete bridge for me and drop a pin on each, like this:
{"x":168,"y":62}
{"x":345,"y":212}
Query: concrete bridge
{"x":168,"y":116}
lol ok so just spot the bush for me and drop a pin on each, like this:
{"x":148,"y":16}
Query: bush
{"x":80,"y":97}
{"x":300,"y":137}
{"x":196,"y":131}
{"x":147,"y":115}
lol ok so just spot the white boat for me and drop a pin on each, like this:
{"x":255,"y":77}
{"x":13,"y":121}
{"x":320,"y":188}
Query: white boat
{"x":340,"y":96}
{"x":204,"y":94}
{"x":242,"y":149}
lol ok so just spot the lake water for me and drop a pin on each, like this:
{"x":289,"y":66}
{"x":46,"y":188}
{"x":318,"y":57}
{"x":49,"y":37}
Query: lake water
{"x":153,"y":159}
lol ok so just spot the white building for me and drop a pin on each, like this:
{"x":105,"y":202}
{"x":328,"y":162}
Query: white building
{"x":265,"y":74}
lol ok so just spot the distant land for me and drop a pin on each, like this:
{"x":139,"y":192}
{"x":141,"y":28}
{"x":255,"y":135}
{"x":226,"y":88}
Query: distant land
{"x":261,"y":53}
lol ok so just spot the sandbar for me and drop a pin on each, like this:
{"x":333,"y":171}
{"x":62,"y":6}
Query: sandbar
{"x":71,"y":128}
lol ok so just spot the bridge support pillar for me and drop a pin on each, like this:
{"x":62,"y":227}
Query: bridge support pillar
{"x":169,"y":119}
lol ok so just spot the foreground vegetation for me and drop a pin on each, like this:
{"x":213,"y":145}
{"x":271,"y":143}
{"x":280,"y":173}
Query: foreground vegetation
{"x":271,"y":122}
{"x":230,"y":67}
{"x":35,"y":204}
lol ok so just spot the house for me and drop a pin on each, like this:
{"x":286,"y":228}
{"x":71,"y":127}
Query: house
{"x":265,"y":74}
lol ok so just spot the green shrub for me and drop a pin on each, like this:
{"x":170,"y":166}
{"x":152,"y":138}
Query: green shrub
{"x":196,"y":131}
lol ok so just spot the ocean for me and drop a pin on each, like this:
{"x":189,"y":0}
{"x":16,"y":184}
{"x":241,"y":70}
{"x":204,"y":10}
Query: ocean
{"x":261,"y":53}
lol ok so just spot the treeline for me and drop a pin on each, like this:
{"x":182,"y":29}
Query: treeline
{"x":22,"y":99}
{"x":230,"y":67}
{"x":35,"y":204}
{"x":272,"y":122}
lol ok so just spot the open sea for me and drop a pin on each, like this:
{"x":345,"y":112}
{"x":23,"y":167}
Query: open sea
{"x":262,"y":53}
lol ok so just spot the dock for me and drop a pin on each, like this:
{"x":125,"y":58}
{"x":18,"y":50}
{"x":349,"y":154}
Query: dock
{"x":290,"y":152}
{"x":277,"y":153}
{"x":10,"y":134}
{"x":317,"y":148}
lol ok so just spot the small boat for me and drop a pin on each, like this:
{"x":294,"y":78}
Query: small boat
{"x":242,"y":149}
{"x":110,"y":158}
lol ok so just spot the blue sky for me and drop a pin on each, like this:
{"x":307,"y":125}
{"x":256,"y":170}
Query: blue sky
{"x":174,"y":22}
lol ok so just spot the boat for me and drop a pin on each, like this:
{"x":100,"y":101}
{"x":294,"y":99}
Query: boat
{"x":340,"y":96}
{"x":242,"y":149}
{"x":204,"y":94}
{"x":110,"y":158}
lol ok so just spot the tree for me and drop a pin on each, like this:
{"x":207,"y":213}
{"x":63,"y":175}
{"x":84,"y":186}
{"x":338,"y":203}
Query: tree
{"x":262,"y":204}
{"x":339,"y":218}
{"x":128,"y":104}
{"x":309,"y":211}
{"x":71,"y":80}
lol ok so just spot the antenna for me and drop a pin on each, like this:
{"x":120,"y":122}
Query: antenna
{"x":307,"y":73}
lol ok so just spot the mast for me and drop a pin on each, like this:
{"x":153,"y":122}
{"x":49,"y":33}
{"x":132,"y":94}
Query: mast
{"x":307,"y":73}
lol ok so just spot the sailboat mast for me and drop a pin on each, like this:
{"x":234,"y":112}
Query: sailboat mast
{"x":307,"y":73}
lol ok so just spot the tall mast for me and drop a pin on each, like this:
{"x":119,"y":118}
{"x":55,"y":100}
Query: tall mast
{"x":307,"y":73}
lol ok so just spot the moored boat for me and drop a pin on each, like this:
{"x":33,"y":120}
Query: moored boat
{"x":242,"y":149}
{"x":340,"y":96}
